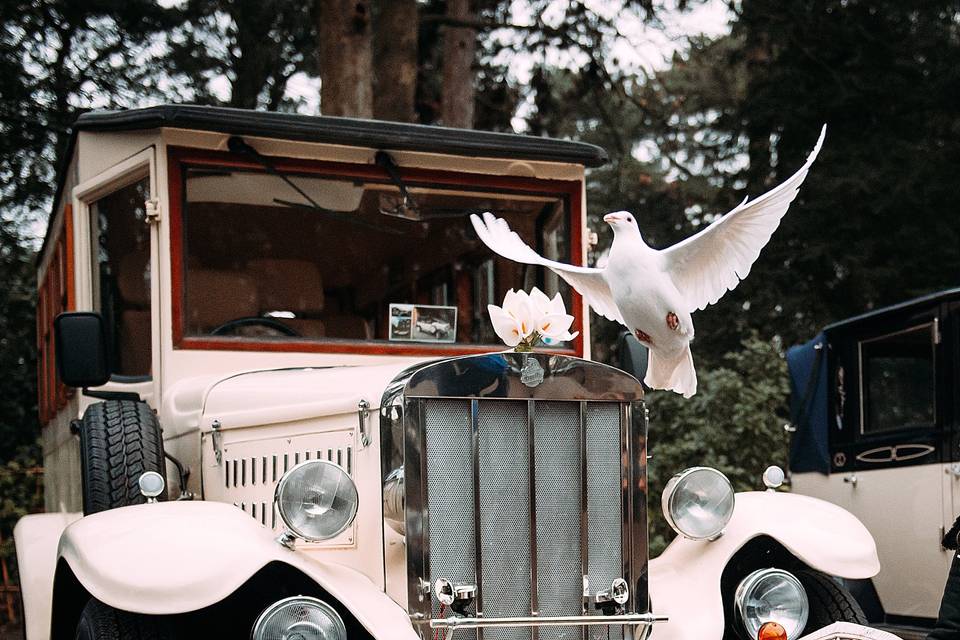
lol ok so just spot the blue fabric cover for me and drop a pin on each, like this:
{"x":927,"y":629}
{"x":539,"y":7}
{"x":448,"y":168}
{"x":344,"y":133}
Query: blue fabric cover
{"x":809,"y":450}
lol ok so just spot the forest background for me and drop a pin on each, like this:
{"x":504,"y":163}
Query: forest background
{"x":723,"y":115}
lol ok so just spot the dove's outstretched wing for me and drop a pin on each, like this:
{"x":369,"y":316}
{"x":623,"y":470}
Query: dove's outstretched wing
{"x":590,"y":283}
{"x":707,"y":265}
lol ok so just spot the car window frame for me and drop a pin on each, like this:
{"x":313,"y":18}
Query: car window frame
{"x":181,"y":158}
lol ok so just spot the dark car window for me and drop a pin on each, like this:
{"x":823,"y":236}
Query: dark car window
{"x":898,"y":382}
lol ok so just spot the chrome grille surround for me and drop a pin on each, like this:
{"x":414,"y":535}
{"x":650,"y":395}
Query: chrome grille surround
{"x":523,"y":491}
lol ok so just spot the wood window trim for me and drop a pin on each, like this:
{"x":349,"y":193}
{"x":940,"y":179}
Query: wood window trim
{"x":177,"y":157}
{"x":56,"y":293}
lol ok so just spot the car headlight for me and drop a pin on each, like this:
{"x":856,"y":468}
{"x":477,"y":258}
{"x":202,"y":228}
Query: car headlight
{"x":299,"y":617}
{"x":698,"y":503}
{"x":772,"y":595}
{"x":317,"y":500}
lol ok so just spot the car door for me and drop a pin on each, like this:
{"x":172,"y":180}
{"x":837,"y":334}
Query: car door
{"x":891,"y":446}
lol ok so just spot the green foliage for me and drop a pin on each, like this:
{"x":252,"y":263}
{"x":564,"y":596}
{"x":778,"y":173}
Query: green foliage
{"x":57,"y":58}
{"x":18,"y":421}
{"x":20,"y":477}
{"x":21,"y":492}
{"x":734,"y":423}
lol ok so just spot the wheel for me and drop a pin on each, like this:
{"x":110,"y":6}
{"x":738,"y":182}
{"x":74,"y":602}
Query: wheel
{"x":829,"y":601}
{"x":119,"y":441}
{"x":101,"y":622}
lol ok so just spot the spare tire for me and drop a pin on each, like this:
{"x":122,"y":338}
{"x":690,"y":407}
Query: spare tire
{"x":120,"y":440}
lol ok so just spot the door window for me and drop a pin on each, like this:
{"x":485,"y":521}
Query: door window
{"x":898,"y":381}
{"x":120,"y":241}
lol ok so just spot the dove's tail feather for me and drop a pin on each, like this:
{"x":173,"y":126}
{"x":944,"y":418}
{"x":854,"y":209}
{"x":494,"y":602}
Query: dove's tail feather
{"x":672,"y":371}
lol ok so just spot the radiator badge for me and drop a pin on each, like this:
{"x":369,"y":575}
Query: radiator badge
{"x":531,"y":373}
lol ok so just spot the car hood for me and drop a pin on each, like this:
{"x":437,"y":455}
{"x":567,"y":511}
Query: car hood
{"x":274,"y":396}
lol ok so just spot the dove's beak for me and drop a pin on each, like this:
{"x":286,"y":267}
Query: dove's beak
{"x":611,"y":218}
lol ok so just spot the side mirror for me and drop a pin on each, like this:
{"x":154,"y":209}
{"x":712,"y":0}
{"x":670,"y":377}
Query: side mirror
{"x":633,"y":356}
{"x":80,"y":339}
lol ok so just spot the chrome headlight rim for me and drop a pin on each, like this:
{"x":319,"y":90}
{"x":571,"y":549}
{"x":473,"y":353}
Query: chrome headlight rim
{"x":669,"y":496}
{"x":285,"y":517}
{"x":257,"y":631}
{"x":750,"y":625}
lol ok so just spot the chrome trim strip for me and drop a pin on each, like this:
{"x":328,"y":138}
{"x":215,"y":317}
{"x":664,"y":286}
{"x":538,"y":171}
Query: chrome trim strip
{"x":415,"y":472}
{"x":892,"y":454}
{"x":497,"y":375}
{"x":635,"y":619}
{"x":639,"y":549}
{"x":584,"y":519}
{"x":531,"y":437}
{"x":626,"y":501}
{"x":477,"y":543}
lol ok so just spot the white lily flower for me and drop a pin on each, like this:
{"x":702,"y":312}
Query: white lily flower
{"x":514,"y":322}
{"x":526,"y":318}
{"x":505,"y":325}
{"x":541,"y":303}
{"x":555,"y":327}
{"x":519,"y":306}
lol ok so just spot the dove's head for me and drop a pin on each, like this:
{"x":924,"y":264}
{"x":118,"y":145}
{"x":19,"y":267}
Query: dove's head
{"x":621,"y":221}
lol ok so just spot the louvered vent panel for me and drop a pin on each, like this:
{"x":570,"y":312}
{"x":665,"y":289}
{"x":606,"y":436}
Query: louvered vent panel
{"x":248,"y":474}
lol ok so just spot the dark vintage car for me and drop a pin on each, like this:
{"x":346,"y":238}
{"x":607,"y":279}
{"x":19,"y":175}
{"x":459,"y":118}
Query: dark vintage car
{"x":876,"y":404}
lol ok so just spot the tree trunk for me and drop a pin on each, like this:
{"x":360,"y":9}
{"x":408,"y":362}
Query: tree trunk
{"x":251,"y":64}
{"x":459,"y":50}
{"x":395,"y":75}
{"x":346,"y":58}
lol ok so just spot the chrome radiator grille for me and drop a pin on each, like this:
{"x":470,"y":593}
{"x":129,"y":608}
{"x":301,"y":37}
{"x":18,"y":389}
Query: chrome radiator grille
{"x":505,"y":501}
{"x":524,"y":475}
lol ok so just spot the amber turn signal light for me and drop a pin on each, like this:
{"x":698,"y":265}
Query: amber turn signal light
{"x":771,"y":631}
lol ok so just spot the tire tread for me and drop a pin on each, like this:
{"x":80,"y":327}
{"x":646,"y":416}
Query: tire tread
{"x":829,"y":601}
{"x":119,"y":441}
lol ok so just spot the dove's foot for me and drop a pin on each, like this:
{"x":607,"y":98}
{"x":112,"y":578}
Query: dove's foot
{"x":644,"y":337}
{"x":673,"y":321}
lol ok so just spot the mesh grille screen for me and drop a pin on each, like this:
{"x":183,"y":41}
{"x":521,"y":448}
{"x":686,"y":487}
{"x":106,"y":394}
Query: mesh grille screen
{"x":450,"y":493}
{"x":603,"y":502}
{"x":504,"y":515}
{"x":559,"y":570}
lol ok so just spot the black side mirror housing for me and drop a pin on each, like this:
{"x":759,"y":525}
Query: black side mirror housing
{"x":633,"y":356}
{"x":80,"y":339}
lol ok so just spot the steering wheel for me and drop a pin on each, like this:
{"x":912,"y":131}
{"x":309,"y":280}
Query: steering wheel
{"x":230,"y":327}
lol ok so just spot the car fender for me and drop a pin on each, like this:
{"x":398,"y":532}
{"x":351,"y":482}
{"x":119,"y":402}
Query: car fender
{"x":685,"y":578}
{"x":174,"y":557}
{"x":36,"y":538}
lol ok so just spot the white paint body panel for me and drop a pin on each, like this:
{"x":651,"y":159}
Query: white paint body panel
{"x":37,"y":537}
{"x":174,"y":557}
{"x":904,"y":508}
{"x":685,"y":579}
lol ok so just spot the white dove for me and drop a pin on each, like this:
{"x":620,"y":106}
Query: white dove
{"x":653,"y":292}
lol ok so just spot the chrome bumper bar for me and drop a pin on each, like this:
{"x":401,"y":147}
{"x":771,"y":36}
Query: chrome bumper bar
{"x":631,"y":619}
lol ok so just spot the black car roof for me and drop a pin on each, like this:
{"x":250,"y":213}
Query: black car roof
{"x":377,"y":134}
{"x":939,"y":296}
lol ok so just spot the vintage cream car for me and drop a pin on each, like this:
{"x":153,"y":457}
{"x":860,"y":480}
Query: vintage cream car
{"x":260,"y":443}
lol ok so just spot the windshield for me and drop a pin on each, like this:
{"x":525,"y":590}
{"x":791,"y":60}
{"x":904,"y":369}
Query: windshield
{"x":331,"y":258}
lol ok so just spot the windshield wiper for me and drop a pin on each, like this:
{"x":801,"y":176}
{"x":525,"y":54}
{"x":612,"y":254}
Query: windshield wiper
{"x":238,"y":145}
